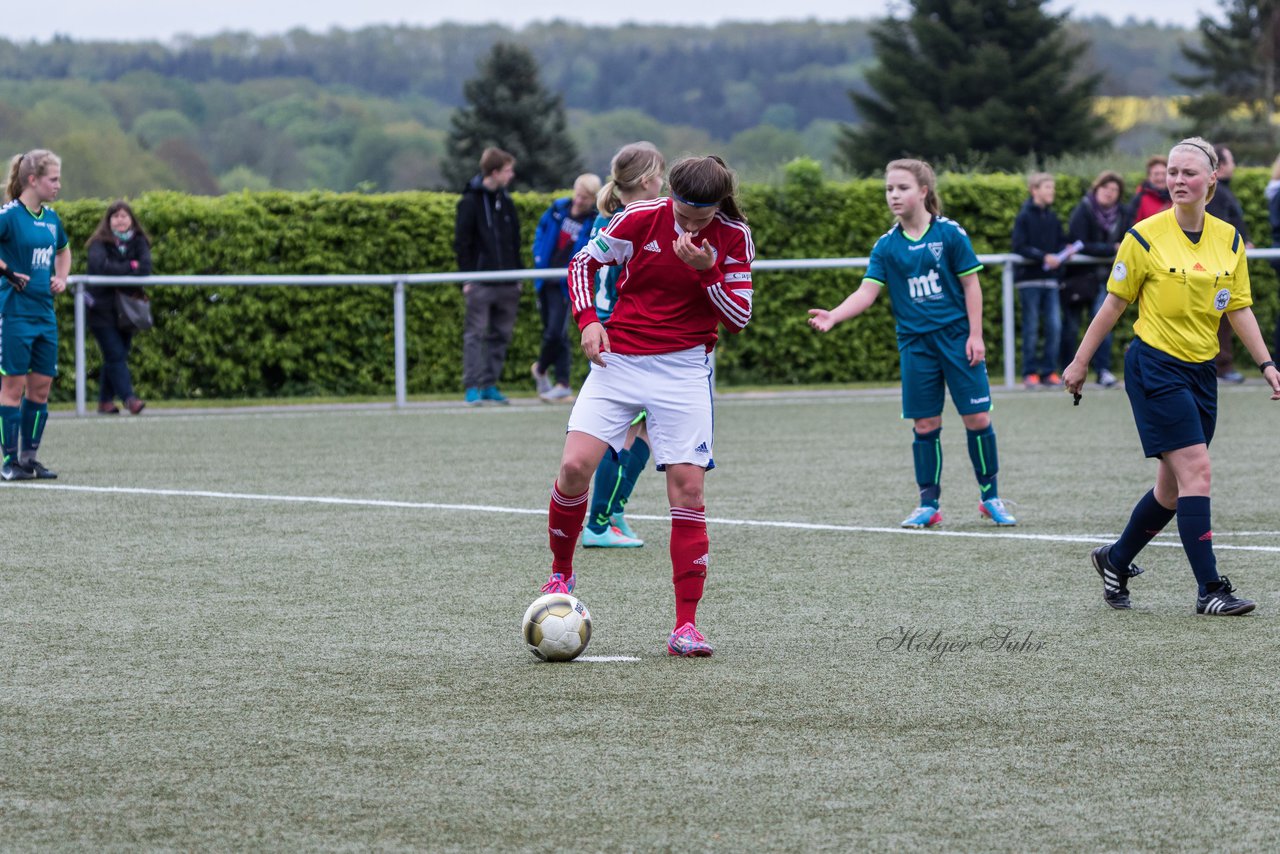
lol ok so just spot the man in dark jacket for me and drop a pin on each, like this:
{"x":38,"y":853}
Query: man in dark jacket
{"x":1038,"y":236}
{"x":487,"y":237}
{"x":1226,"y":207}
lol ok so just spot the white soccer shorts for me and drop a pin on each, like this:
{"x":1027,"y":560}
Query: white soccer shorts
{"x":675,"y":390}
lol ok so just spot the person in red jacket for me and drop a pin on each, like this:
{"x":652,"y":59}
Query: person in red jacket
{"x":1152,"y":197}
{"x":686,"y":270}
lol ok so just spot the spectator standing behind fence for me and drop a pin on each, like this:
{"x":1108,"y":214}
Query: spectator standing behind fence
{"x":1083,"y":285}
{"x":118,"y":247}
{"x":487,"y":237}
{"x":562,"y":231}
{"x":35,"y":258}
{"x":1038,"y":235}
{"x":1273,"y":213}
{"x":1226,"y":207}
{"x":1151,"y":198}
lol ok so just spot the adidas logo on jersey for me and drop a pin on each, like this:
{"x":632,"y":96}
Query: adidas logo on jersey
{"x":652,"y":246}
{"x":556,"y":532}
{"x":705,"y":560}
{"x":702,"y":449}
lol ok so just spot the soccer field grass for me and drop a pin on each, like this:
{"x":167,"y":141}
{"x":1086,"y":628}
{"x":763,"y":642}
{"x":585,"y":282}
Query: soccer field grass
{"x":301,"y":630}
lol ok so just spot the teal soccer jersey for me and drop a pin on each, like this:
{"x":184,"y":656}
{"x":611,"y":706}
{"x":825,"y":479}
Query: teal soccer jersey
{"x":28,"y":244}
{"x":923,"y":275}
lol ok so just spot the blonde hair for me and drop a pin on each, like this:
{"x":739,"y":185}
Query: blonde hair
{"x":588,"y":182}
{"x":1035,"y":179}
{"x":925,"y":177}
{"x":35,"y":162}
{"x":634,"y":164}
{"x":1206,"y":148}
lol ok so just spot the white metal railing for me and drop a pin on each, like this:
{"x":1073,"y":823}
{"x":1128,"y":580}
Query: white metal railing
{"x":398,"y":281}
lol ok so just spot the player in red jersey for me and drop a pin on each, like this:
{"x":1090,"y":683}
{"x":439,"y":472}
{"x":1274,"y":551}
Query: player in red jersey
{"x":686,"y":269}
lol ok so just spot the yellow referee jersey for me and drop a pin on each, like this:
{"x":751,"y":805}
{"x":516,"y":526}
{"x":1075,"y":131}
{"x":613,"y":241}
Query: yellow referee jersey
{"x":1181,"y":288}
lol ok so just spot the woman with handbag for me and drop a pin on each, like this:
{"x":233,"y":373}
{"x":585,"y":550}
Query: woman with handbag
{"x":118,"y":247}
{"x":1084,"y":287}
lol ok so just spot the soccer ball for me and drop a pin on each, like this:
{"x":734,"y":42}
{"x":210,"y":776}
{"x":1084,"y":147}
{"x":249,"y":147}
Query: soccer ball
{"x":557,"y":627}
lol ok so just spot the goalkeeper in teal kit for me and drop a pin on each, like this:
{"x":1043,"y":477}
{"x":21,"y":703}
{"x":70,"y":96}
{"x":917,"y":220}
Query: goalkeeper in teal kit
{"x":35,"y":259}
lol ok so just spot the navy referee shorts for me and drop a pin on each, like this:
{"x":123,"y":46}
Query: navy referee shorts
{"x":1175,"y":403}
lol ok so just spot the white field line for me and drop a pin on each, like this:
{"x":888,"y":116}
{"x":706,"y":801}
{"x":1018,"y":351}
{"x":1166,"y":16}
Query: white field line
{"x":604,"y":658}
{"x":1003,"y":534}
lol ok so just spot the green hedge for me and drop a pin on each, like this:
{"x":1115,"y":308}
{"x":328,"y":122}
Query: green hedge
{"x":229,"y":342}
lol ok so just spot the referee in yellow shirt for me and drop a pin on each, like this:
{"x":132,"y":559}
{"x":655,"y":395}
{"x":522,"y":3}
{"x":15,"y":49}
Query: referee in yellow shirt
{"x":1185,"y":269}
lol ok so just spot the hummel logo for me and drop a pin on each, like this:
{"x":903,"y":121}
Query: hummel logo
{"x":705,"y":560}
{"x":1206,"y":536}
{"x":702,"y":449}
{"x":556,"y":532}
{"x":652,"y":246}
{"x":1198,"y":267}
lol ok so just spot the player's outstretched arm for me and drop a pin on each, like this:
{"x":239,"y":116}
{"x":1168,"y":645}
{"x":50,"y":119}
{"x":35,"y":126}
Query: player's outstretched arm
{"x":855,"y":304}
{"x":1074,"y":376}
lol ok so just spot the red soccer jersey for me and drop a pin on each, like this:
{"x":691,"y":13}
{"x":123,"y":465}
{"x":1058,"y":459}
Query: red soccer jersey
{"x":664,"y":305}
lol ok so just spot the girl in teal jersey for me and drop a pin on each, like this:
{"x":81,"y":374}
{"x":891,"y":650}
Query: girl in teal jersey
{"x":927,"y":264}
{"x":635,"y":174}
{"x":35,"y":259}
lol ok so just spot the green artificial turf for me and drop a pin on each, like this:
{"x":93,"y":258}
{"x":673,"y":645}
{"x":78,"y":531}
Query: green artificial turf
{"x":202,"y":648}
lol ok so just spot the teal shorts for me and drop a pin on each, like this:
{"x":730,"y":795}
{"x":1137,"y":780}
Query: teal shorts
{"x":28,"y":346}
{"x":934,"y":362}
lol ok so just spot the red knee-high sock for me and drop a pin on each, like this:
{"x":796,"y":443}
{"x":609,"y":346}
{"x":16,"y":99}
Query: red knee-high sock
{"x":689,"y":557}
{"x":564,"y":525}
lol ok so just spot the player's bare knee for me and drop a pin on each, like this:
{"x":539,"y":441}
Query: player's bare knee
{"x":927,"y":425}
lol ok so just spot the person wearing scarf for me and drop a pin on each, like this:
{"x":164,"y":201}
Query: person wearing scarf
{"x":1093,"y":222}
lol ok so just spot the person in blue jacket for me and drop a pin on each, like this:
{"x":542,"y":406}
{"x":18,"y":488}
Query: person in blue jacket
{"x":562,"y":231}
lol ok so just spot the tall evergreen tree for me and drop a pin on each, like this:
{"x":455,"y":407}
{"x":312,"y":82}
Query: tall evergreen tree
{"x":996,"y":81}
{"x":509,"y":108}
{"x":1238,"y":62}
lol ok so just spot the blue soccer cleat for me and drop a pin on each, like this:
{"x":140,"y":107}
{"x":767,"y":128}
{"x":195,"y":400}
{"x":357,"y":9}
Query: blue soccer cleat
{"x":923,"y":516}
{"x":994,"y":509}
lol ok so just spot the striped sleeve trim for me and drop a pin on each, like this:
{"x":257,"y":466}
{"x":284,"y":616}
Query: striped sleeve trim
{"x":732,"y":311}
{"x":869,"y":279}
{"x":1235,"y":244}
{"x":974,"y":270}
{"x":1141,"y":240}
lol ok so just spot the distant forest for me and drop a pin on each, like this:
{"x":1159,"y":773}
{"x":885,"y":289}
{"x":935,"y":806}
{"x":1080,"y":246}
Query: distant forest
{"x":369,"y":109}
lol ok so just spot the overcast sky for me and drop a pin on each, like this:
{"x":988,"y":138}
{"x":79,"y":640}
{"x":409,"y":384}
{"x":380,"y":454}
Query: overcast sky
{"x":136,"y":20}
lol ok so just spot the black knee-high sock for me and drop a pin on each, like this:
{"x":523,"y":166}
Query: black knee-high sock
{"x":1197,"y":539}
{"x":926,"y":451}
{"x":986,"y":463}
{"x":1149,"y":518}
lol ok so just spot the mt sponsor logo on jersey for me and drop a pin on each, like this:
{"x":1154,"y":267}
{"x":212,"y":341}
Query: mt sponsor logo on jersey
{"x":41,"y":258}
{"x":923,"y":287}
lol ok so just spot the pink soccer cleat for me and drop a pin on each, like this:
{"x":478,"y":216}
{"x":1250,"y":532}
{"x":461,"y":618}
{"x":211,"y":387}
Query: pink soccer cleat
{"x":688,"y":642}
{"x":557,"y":583}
